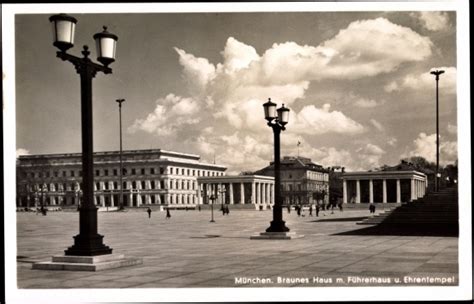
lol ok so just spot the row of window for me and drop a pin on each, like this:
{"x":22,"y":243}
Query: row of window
{"x":125,"y":171}
{"x":174,"y":184}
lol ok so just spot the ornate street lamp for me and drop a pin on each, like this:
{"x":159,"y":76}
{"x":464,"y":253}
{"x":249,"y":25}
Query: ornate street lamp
{"x":437,"y":73}
{"x":120,"y":101}
{"x":88,"y":242}
{"x":212,"y":198}
{"x":277,"y":119}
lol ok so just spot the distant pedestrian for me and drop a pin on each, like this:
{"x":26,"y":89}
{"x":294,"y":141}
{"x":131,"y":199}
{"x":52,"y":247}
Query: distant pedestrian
{"x":310,"y":210}
{"x":186,"y":208}
{"x":372,"y":208}
{"x":289,"y":208}
{"x":199,"y":208}
{"x":298,"y":210}
{"x":168,"y":215}
{"x":317,"y":209}
{"x":223,"y":210}
{"x":227,"y":211}
{"x":149,"y":212}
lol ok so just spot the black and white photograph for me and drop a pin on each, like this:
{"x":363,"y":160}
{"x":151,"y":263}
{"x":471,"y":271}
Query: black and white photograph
{"x":237,"y":152}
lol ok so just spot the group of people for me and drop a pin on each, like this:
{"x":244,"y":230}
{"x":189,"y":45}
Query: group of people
{"x":318,"y":208}
{"x":225,"y":211}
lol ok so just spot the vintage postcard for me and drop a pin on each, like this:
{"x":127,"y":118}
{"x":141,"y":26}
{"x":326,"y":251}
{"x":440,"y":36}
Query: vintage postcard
{"x":237,"y":152}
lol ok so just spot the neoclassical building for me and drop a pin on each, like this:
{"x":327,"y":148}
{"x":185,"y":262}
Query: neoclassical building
{"x":383,"y":186}
{"x":300,"y":180}
{"x":152,"y":177}
{"x":256,"y":190}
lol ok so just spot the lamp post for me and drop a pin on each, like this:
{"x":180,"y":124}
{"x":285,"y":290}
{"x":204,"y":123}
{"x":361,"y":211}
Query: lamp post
{"x":212,"y":198}
{"x":277,"y":119}
{"x":120,"y":101}
{"x":437,"y":73}
{"x":88,"y":242}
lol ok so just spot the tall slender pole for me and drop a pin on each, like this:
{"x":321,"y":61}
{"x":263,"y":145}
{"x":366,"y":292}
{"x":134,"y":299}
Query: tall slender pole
{"x":277,"y":225}
{"x":88,"y":242}
{"x":121,"y":163}
{"x":437,"y":73}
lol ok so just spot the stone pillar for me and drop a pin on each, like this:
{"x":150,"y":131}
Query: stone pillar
{"x":167,"y":199}
{"x":357,"y":192}
{"x":371,"y":191}
{"x":412,"y":190}
{"x":231,"y":194}
{"x":384,"y":191}
{"x":102,"y":200}
{"x":147,"y":199}
{"x":272,"y":194}
{"x":139,"y":199}
{"x":199,"y":194}
{"x":252,"y":199}
{"x":242,"y":193}
{"x":344,"y":191}
{"x":267,"y":194}
{"x":259,"y":185}
{"x":399,"y":192}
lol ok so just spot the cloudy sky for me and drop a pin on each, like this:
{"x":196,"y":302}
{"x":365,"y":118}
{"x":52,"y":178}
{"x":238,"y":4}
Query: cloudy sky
{"x":357,"y":84}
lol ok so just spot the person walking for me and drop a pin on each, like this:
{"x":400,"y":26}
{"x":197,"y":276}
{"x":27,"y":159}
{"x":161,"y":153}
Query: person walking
{"x":149,"y":212}
{"x":199,"y":208}
{"x":298,"y":210}
{"x":317,"y":209}
{"x":168,"y":215}
{"x":227,"y":211}
{"x":310,"y":210}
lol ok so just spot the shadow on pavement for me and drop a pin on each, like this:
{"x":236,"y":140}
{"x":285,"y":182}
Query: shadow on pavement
{"x":406,"y":230}
{"x":342,"y":219}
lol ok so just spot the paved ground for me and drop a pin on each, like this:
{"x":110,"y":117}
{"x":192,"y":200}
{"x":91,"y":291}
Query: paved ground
{"x":189,"y":251}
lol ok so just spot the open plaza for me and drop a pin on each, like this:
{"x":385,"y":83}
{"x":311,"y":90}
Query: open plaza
{"x":188,"y":251}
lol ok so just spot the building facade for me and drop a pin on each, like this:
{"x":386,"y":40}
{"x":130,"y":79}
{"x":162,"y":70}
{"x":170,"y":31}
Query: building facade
{"x":150,"y":177}
{"x":383,"y":186}
{"x":252,"y":190}
{"x":300,"y":180}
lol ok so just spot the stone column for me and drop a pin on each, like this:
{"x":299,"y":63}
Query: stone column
{"x":102,"y":200}
{"x":272,"y":194}
{"x":252,"y":199}
{"x":344,"y":191}
{"x":399,"y":192}
{"x":371,"y":191}
{"x":357,"y":192}
{"x":199,"y":194}
{"x":384,"y":191}
{"x":242,"y":193}
{"x":259,"y":185}
{"x":267,"y":194}
{"x":412,"y":190}
{"x":167,"y":199}
{"x":139,"y":199}
{"x":231,"y":194}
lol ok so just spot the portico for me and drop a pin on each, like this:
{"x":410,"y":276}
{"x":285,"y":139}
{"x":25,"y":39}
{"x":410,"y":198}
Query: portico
{"x":383,"y":186}
{"x":254,"y":190}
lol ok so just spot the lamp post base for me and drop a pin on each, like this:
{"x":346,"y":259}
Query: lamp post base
{"x":277,"y":226}
{"x":88,"y":246}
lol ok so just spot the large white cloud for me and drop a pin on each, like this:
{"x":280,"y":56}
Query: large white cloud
{"x":21,"y":151}
{"x":425,"y":146}
{"x":426,"y":81}
{"x":170,"y":114}
{"x":433,"y":21}
{"x":228,"y":96}
{"x":312,"y":120}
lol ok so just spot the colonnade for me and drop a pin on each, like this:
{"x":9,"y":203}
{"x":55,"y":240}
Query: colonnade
{"x":418,"y":184}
